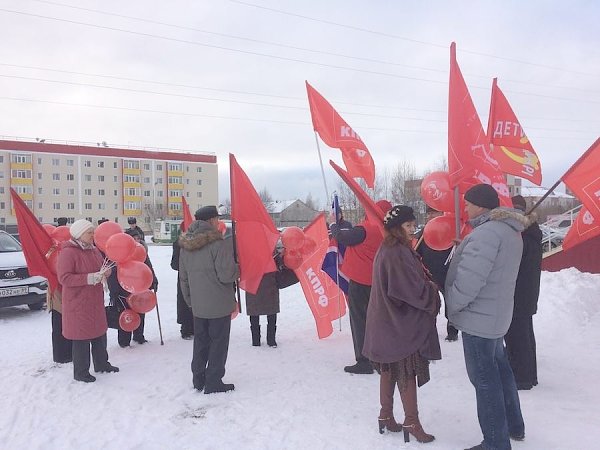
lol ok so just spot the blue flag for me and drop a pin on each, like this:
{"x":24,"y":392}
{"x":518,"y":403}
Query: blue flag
{"x":335,"y":253}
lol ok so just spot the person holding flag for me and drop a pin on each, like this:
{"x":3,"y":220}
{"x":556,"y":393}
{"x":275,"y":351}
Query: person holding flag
{"x":362,"y":242}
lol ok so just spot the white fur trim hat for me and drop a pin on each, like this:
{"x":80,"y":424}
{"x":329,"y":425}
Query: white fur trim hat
{"x":79,"y":227}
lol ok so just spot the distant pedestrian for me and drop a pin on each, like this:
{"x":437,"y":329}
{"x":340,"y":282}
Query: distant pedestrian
{"x":184,"y":312}
{"x":62,"y":221}
{"x":132,"y":221}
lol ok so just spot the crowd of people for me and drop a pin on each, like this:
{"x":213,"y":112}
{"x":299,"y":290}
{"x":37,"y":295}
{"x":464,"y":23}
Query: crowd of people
{"x":489,"y":282}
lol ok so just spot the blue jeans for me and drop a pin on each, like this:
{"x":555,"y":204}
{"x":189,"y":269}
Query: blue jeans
{"x":498,"y":407}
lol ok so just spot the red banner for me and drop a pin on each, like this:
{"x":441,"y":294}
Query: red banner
{"x":38,"y":246}
{"x":255,"y":232}
{"x":325,"y":299}
{"x":187,"y":215}
{"x":468,"y":148}
{"x":583,"y":178}
{"x":584,"y":228}
{"x":336,"y":133}
{"x":512,"y":149}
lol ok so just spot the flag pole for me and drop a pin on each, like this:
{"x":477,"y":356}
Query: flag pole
{"x":337,"y":266}
{"x":550,"y":191}
{"x":321,"y":163}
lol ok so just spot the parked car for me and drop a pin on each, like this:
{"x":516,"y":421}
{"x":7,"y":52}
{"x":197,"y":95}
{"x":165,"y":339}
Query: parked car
{"x":16,"y":286}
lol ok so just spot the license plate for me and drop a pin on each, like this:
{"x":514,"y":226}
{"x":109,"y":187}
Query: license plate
{"x":12,"y":291}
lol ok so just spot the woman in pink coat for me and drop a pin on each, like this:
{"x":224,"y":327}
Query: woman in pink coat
{"x":83,"y":315}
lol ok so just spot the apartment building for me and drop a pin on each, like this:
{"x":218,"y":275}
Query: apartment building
{"x":96,"y":182}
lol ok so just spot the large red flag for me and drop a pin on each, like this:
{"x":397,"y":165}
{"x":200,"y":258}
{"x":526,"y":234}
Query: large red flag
{"x":325,"y":299}
{"x":468,"y":148}
{"x":336,"y":133}
{"x":584,"y":228}
{"x":187,"y":215}
{"x":255,"y":233}
{"x":583,"y":178}
{"x":511,"y":147}
{"x":37,"y":244}
{"x":371,"y":209}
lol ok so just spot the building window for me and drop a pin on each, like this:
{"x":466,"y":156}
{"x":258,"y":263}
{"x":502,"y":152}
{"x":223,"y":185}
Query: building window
{"x":101,"y":206}
{"x":101,"y":178}
{"x":40,"y":161}
{"x":116,"y":207}
{"x":175,"y":167}
{"x":21,"y":159}
{"x":70,"y":162}
{"x":129,"y":164}
{"x":87,"y":163}
{"x":1,"y":189}
{"x":2,"y":204}
{"x":101,"y":164}
{"x":88,"y":178}
{"x":115,"y":165}
{"x":146,"y":180}
{"x":199,"y":182}
{"x":40,"y":190}
{"x":115,"y":192}
{"x":55,"y":162}
{"x":115,"y":178}
{"x":56,"y":177}
{"x":55,"y":191}
{"x":70,"y":177}
{"x":159,"y":193}
{"x":87,"y":192}
{"x":175,"y":193}
{"x":87,"y":206}
{"x":146,"y":166}
{"x":40,"y":205}
{"x":198,"y":169}
{"x":132,"y":192}
{"x":187,"y":181}
{"x":55,"y":205}
{"x":21,"y":174}
{"x":159,"y":181}
{"x":131,"y":179}
{"x":199,"y":194}
{"x":175,"y":206}
{"x":71,"y":191}
{"x":23,"y":189}
{"x":175,"y":180}
{"x":70,"y":205}
{"x":146,"y":193}
{"x":100,"y":191}
{"x":39,"y":175}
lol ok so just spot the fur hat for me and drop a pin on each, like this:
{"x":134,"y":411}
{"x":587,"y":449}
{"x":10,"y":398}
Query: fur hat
{"x":132,"y":220}
{"x":483,"y":195}
{"x":206,"y":213}
{"x":519,"y":202}
{"x":398,"y":215}
{"x":79,"y":227}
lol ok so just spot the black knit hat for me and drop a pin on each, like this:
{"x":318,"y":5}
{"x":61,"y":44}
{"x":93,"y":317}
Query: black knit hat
{"x":206,"y":213}
{"x":483,"y":195}
{"x":397,"y":216}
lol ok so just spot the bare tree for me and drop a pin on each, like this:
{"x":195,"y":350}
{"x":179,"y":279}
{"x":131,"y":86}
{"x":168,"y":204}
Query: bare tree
{"x":310,"y":202}
{"x":151,"y":212}
{"x":404,"y":170}
{"x":225,"y":208}
{"x":266,"y":199}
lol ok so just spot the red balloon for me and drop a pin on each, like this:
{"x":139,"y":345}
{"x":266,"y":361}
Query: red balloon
{"x":53,"y":259}
{"x":439,"y":232}
{"x":129,"y":320}
{"x":292,"y":238}
{"x":142,"y":302}
{"x":139,"y":253}
{"x":61,"y":233}
{"x":436,"y":191}
{"x":104,"y":231}
{"x":49,"y":228}
{"x":292,"y":259}
{"x":309,"y":247}
{"x":119,"y":247}
{"x":134,"y":276}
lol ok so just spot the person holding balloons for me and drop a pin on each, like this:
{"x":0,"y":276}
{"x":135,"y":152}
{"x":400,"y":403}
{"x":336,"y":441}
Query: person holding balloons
{"x":208,"y":271}
{"x":118,"y":295}
{"x":79,"y":270}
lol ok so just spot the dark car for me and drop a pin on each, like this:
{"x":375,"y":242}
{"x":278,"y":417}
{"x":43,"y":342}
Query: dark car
{"x":17,"y":287}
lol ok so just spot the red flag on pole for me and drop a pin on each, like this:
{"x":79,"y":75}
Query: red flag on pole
{"x":37,"y":244}
{"x":468,"y":148}
{"x":371,"y":209}
{"x":584,"y":228}
{"x":583,"y":178}
{"x":511,"y":147}
{"x":325,"y":299}
{"x":255,"y":233}
{"x":187,"y":215}
{"x":336,"y":133}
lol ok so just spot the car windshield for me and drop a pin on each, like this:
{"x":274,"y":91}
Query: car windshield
{"x":9,"y":244}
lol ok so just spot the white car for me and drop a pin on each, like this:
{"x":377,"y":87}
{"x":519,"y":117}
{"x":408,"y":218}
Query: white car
{"x":16,"y":286}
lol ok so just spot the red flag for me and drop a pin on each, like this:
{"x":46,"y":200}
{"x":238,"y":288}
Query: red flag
{"x":583,"y":178}
{"x":512,"y":149}
{"x":320,"y":290}
{"x":187,"y":215}
{"x":336,"y":133}
{"x":584,"y":228}
{"x":371,"y":209}
{"x":468,"y":148}
{"x":255,"y":233}
{"x":37,"y":244}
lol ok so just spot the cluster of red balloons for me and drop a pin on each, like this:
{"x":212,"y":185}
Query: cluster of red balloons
{"x":297,"y":246}
{"x":139,"y":303}
{"x":58,"y":235}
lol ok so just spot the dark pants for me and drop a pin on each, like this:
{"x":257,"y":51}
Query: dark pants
{"x":498,"y":407}
{"x":211,"y":344}
{"x":184,"y":314}
{"x":81,"y":355}
{"x":520,"y":346}
{"x":62,"y":348}
{"x":271,"y":320}
{"x":358,"y":301}
{"x":450,"y":330}
{"x":124,"y":337}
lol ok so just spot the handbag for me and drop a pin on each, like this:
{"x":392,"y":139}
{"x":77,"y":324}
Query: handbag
{"x":113,"y":312}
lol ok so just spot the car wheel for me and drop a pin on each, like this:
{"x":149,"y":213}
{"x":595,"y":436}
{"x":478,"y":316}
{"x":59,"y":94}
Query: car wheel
{"x":36,"y":306}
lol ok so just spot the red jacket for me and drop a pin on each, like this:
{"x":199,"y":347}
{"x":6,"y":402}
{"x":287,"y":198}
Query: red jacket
{"x":358,"y":259}
{"x":83,"y":315}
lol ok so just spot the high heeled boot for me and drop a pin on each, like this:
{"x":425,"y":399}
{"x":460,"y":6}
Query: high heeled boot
{"x":255,"y":329}
{"x":386,"y":398}
{"x":411,"y":420}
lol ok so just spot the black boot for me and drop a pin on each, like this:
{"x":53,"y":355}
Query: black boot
{"x":219,"y":387}
{"x":255,"y":329}
{"x":271,"y":329}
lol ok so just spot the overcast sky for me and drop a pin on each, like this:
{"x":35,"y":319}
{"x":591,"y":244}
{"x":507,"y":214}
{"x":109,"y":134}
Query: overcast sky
{"x":227,"y":76}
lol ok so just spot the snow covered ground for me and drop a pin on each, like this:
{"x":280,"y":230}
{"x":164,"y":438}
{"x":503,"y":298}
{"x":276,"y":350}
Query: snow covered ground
{"x":295,"y":396}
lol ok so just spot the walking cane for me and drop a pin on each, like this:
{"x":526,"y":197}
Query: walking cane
{"x":159,"y":325}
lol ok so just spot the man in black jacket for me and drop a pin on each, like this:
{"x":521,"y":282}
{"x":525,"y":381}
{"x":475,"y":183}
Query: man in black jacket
{"x":520,"y":339}
{"x":184,"y":312}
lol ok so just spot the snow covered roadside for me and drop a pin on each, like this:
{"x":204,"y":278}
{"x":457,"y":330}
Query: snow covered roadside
{"x":295,"y":396}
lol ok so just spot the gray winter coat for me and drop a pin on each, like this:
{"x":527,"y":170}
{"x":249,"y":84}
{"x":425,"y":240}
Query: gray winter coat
{"x":480,"y":284}
{"x":207,"y":271}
